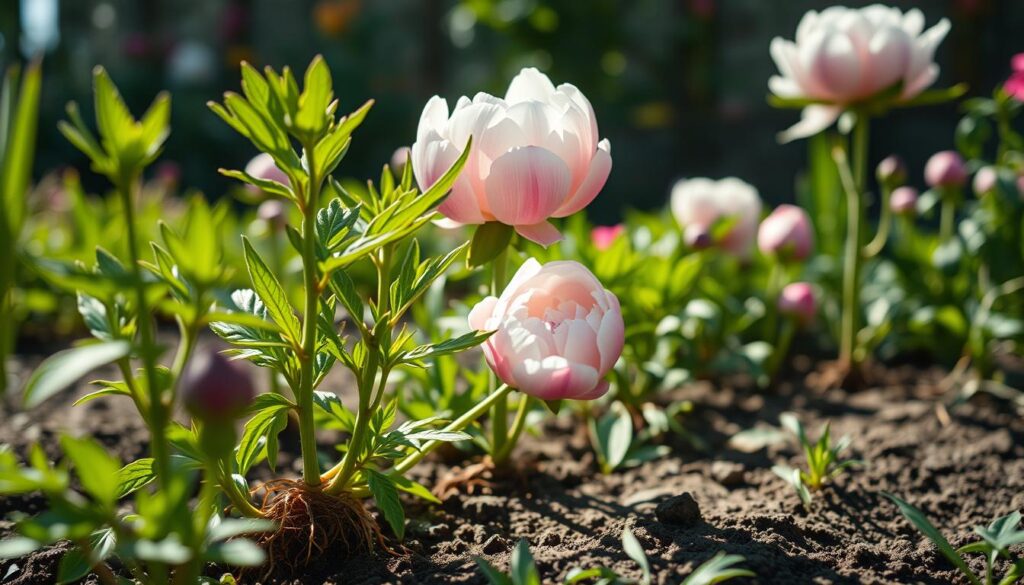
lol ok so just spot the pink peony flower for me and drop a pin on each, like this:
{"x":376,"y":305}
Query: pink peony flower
{"x":846,"y":55}
{"x":262,"y":166}
{"x":797,"y":301}
{"x":536,"y":155}
{"x":699,"y":204}
{"x":557,"y":331}
{"x":787,"y":233}
{"x":903,"y":200}
{"x":945,"y":169}
{"x":1015,"y":84}
{"x":985,"y":181}
{"x":603,"y":236}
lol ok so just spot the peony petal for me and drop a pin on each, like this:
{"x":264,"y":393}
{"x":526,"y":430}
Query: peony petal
{"x":888,"y":56}
{"x":922,"y":56}
{"x":921,"y":82}
{"x":611,"y":339}
{"x":838,"y":67}
{"x":600,"y":390}
{"x":433,"y":119}
{"x":600,"y":168}
{"x":542,"y":233}
{"x":813,"y":119}
{"x":526,"y":185}
{"x":529,"y":85}
{"x":554,"y":378}
{"x":481,"y":312}
{"x":913,"y":22}
{"x":431,"y":160}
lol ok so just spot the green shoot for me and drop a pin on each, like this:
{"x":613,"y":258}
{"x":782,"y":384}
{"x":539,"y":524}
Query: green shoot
{"x":823,"y":459}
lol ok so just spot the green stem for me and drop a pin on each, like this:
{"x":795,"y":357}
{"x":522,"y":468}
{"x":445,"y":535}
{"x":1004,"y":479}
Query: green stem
{"x":304,"y":397}
{"x":877,"y":243}
{"x":499,"y":418}
{"x":499,"y":395}
{"x":853,"y":183}
{"x":947,"y":215}
{"x":776,"y":278}
{"x":159,"y":410}
{"x":518,"y":424}
{"x":781,"y":347}
{"x":359,"y":434}
{"x":240,"y":500}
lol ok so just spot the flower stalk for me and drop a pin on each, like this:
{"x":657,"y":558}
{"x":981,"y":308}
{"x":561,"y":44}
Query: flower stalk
{"x":853,"y":180}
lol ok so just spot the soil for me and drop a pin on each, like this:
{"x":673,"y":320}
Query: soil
{"x":963,"y":466}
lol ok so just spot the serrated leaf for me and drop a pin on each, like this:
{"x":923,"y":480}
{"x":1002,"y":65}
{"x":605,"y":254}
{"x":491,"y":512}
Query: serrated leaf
{"x":385,"y":492}
{"x":271,"y":293}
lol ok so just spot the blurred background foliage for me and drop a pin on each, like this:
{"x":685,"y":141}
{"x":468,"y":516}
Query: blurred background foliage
{"x":679,"y":86}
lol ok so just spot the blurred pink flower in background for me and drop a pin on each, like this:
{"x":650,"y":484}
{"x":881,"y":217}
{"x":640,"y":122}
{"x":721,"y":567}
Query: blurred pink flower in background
{"x":699,"y":204}
{"x":603,"y":236}
{"x":845,"y":55}
{"x":536,"y":155}
{"x":557,"y":331}
{"x":798,"y":301}
{"x":985,"y":181}
{"x":945,"y":169}
{"x":262,"y":166}
{"x":786,"y":233}
{"x":1015,"y":84}
{"x":903,"y":200}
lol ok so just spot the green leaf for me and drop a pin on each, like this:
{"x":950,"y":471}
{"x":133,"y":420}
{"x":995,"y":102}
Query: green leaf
{"x":240,"y":552}
{"x":271,"y":293}
{"x":19,"y":150}
{"x":228,"y":528}
{"x":345,"y":290}
{"x":493,"y":575}
{"x":316,"y":96}
{"x":385,"y":492}
{"x":448,"y":346}
{"x":97,"y":471}
{"x":73,"y":566}
{"x":920,"y":521}
{"x":718,"y":569}
{"x":489,"y":240}
{"x":18,"y":546}
{"x":632,"y":547}
{"x":415,"y":488}
{"x":524,"y":569}
{"x":65,"y":367}
{"x":256,"y":435}
{"x":134,"y":476}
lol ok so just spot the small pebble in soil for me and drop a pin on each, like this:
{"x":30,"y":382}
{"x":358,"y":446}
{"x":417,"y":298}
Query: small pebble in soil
{"x":728,"y":473}
{"x":494,"y":545}
{"x":681,"y":510}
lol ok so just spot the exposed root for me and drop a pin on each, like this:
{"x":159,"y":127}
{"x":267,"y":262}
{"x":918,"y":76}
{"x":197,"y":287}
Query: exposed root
{"x":312,"y":524}
{"x":483,"y":477}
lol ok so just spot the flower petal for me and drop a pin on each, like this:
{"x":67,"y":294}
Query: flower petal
{"x":529,"y":85}
{"x":542,"y":233}
{"x":813,"y":119}
{"x":526,"y":185}
{"x":600,"y":168}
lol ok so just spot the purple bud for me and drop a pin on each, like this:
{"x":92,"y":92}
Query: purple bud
{"x":797,"y":301}
{"x":891,"y":171}
{"x":214,"y":388}
{"x":697,"y":237}
{"x":945,"y":169}
{"x":903,"y":201}
{"x":787,"y":233}
{"x":985,"y":181}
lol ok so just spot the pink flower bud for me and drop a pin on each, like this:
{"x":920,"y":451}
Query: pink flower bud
{"x":603,"y":236}
{"x":945,"y":169}
{"x":214,"y":388}
{"x":398,"y":159}
{"x":262,"y":166}
{"x":558,"y":332}
{"x":536,"y":155}
{"x":699,"y":204}
{"x":985,"y":181}
{"x":274,"y":213}
{"x":786,"y":233}
{"x":903,"y":201}
{"x":798,"y":302}
{"x":891,"y":171}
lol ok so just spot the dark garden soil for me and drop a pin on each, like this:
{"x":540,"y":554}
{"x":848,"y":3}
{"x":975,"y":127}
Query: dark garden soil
{"x":962,"y":467}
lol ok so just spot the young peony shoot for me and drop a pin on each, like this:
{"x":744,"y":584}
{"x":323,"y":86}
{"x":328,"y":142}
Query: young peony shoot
{"x":823,"y":459}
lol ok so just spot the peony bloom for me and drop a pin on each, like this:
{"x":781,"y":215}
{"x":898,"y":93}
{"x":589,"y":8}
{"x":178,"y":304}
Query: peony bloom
{"x":603,"y":236}
{"x":557,"y":331}
{"x":903,"y":200}
{"x":214,"y":388}
{"x":699,"y":204}
{"x":262,"y":166}
{"x":798,"y":302}
{"x":945,"y":169}
{"x":787,"y":233}
{"x":985,"y":181}
{"x":842,"y":56}
{"x":536,"y":155}
{"x":1014,"y":86}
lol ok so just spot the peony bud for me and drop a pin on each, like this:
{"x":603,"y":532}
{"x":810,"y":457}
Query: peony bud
{"x":558,"y":332}
{"x":399,"y":158}
{"x":786,"y":233}
{"x":903,"y":201}
{"x":891,"y":172}
{"x":985,"y":181}
{"x":797,"y":301}
{"x":699,"y":204}
{"x":215,"y":389}
{"x":603,"y":236}
{"x":945,"y":169}
{"x":274,"y":213}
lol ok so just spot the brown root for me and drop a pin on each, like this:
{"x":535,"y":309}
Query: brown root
{"x":483,"y":476}
{"x":312,"y":524}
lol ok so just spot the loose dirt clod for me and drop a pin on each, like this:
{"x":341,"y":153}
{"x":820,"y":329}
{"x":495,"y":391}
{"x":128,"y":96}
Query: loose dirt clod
{"x":681,"y":510}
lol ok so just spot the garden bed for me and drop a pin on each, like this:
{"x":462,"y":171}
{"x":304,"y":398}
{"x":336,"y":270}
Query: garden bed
{"x":962,"y":467}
